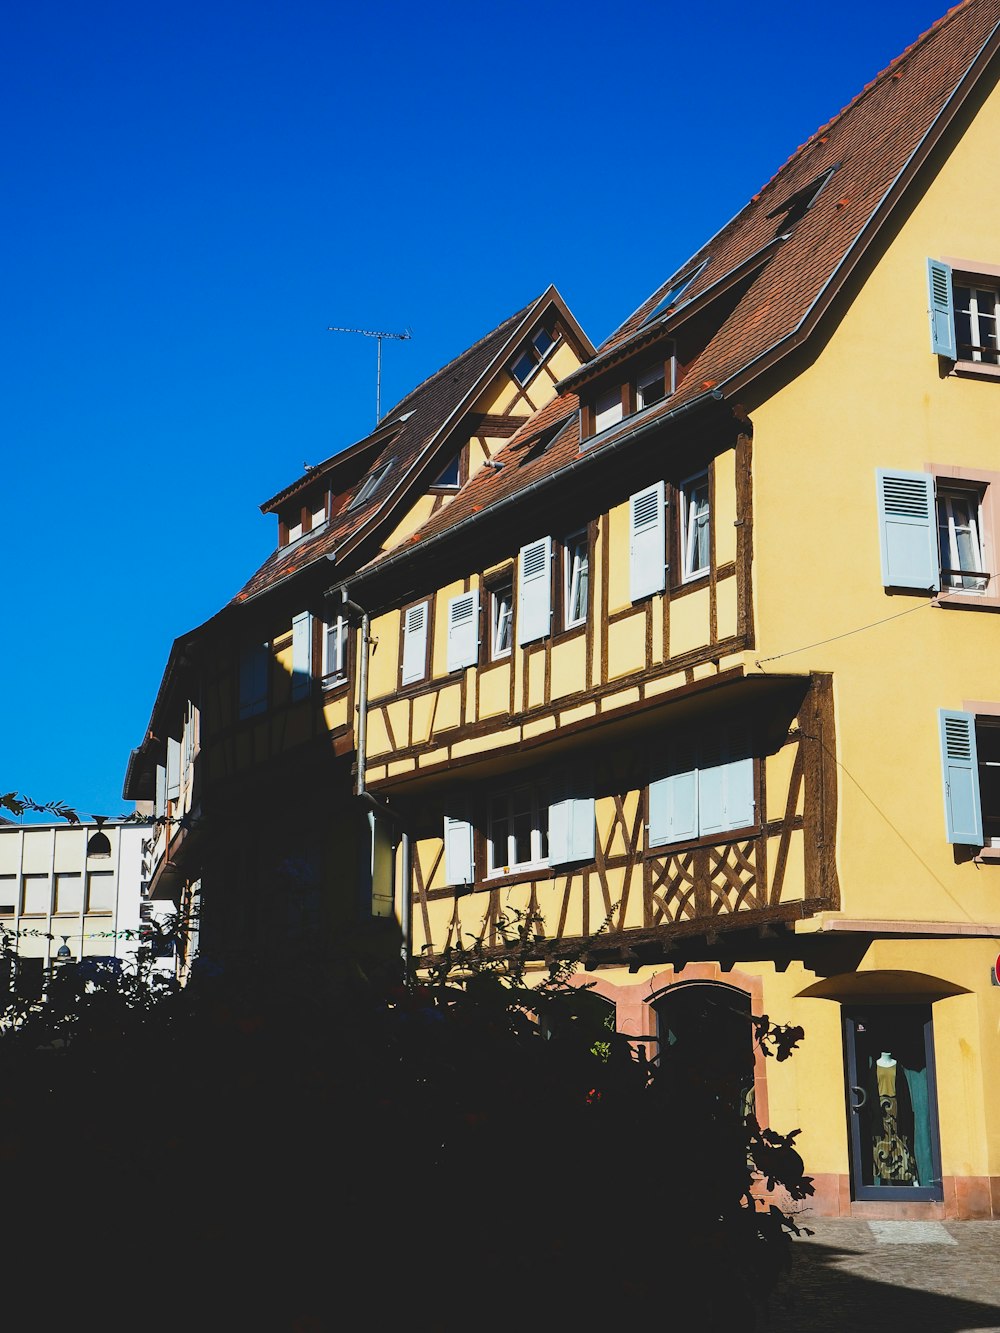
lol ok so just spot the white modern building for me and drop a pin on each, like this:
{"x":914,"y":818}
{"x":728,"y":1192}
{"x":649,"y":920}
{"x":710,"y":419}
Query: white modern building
{"x":78,"y":889}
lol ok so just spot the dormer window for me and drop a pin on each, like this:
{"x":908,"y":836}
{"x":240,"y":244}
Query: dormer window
{"x":299,"y":522}
{"x":542,"y":342}
{"x":371,"y":484}
{"x":650,"y":386}
{"x":451,"y":475}
{"x":608,"y":409}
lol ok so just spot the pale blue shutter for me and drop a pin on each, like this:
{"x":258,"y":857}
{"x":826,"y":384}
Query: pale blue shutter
{"x":458,"y":862}
{"x":963,"y":813}
{"x":572,"y":829}
{"x":253,"y":680}
{"x":415,"y":643}
{"x":160,"y":808}
{"x":173,"y":769}
{"x":302,"y":638}
{"x":908,"y":530}
{"x":647,"y":542}
{"x":534,"y":604}
{"x":941,"y":309}
{"x":739,"y":793}
{"x":463,"y":631}
{"x":712,"y":799}
{"x":673,"y":808}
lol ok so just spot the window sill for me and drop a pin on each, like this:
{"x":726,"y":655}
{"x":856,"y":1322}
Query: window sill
{"x":498,"y":880}
{"x":987,"y":854}
{"x":967,"y":601}
{"x":976,"y":370}
{"x":712,"y":840}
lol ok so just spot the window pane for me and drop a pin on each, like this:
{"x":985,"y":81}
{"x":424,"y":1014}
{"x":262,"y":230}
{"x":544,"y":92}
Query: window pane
{"x":37,"y":895}
{"x":696,"y":536}
{"x":650,"y":387}
{"x":503,"y":614}
{"x":577,"y":577}
{"x":69,"y":893}
{"x":523,"y":367}
{"x":607,"y":410}
{"x":100,"y":891}
{"x":542,"y":341}
{"x":8,"y":894}
{"x":449,"y":476}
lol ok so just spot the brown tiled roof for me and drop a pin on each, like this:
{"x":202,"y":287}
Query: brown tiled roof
{"x":431,"y":410}
{"x":876,"y":144}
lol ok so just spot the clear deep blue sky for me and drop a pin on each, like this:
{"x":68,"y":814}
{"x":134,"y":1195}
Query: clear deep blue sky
{"x":193,"y":192}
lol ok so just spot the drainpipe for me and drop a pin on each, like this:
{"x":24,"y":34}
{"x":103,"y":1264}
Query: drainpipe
{"x":361,"y":790}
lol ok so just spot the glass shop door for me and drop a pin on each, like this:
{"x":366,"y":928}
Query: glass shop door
{"x":892,"y":1103}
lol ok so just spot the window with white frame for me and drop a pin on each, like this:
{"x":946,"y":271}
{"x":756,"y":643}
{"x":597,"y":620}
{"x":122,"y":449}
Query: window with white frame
{"x":8,"y":895}
{"x":501,"y":620}
{"x":100,"y":891}
{"x":650,"y":386}
{"x":335,"y":651}
{"x":695,"y":534}
{"x":970,"y":768}
{"x":977,"y":314}
{"x":960,"y":539}
{"x":69,"y":893}
{"x":576,"y":579}
{"x":937,"y":533}
{"x":517,"y":836}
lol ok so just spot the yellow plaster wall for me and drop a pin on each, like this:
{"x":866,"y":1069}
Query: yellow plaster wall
{"x":627,"y":644}
{"x":494,"y":690}
{"x":415,"y":517}
{"x":874,"y":398}
{"x":619,"y":595}
{"x":689,"y":622}
{"x":383,"y":661}
{"x":569,"y":666}
{"x":724,"y":506}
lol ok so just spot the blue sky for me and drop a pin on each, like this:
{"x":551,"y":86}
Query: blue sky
{"x":193,"y":192}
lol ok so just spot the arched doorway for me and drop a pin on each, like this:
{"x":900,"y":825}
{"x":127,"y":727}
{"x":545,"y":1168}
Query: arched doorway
{"x":705,"y":1035}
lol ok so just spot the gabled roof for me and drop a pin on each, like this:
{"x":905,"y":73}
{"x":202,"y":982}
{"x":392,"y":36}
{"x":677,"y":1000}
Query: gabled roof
{"x":792,"y":261}
{"x":410,"y":437}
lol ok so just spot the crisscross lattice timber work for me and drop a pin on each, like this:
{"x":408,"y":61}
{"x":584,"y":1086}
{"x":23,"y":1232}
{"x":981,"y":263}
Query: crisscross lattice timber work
{"x":631,"y":896}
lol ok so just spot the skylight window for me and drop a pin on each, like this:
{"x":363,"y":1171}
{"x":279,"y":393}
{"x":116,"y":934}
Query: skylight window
{"x":531,"y":357}
{"x":371,"y":484}
{"x":674,"y":293}
{"x":798,"y":204}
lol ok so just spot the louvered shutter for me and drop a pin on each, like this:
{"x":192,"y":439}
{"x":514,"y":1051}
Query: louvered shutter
{"x":415,"y":643}
{"x":572,"y":829}
{"x":253,"y":680}
{"x":458,"y":863}
{"x":647,"y":542}
{"x":173,"y":769}
{"x":673,"y":808}
{"x":534,"y":603}
{"x":463,"y":631}
{"x":908,"y":530}
{"x":963,"y":813}
{"x":942,"y":309}
{"x":302,"y":638}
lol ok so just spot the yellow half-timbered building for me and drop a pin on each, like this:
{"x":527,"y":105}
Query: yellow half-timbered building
{"x":687,"y":666}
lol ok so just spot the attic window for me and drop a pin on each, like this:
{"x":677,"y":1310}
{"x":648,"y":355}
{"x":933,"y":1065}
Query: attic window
{"x":371,"y":484}
{"x":675,"y":292}
{"x":542,"y":342}
{"x":451,"y":477}
{"x":797,"y":205}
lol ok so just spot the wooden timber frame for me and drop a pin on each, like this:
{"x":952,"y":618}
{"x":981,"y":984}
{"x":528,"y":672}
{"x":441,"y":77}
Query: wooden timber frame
{"x":635,"y":904}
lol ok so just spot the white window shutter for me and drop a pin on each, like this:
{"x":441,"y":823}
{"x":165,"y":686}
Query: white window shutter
{"x":942,"y":309}
{"x":463,"y":631}
{"x":458,"y":862}
{"x":302,"y":638}
{"x":647,"y":542}
{"x":963,"y":811}
{"x":712,"y":799}
{"x":572,"y":829}
{"x":534,"y":602}
{"x":739,"y":793}
{"x":673,"y":808}
{"x":908,"y":530}
{"x":160,"y":809}
{"x":415,"y":643}
{"x":173,"y":769}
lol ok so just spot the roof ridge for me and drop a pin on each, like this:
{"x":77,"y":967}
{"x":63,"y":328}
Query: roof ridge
{"x":818,"y":135}
{"x":457,"y":360}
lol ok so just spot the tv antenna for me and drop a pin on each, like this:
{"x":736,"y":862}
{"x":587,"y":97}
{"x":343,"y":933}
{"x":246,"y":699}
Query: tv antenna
{"x":378,"y":335}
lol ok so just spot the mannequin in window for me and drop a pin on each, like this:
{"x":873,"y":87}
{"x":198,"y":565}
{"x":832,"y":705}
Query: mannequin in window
{"x":893,"y":1139}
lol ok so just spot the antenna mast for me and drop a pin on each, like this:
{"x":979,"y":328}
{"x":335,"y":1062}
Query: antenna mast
{"x":374,"y":333}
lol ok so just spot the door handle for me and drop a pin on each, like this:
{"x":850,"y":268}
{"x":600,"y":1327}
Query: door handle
{"x":856,"y":1106}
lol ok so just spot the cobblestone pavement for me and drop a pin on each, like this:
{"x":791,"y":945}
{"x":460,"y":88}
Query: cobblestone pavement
{"x":893,"y":1277}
